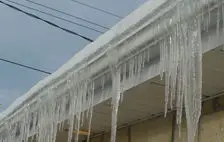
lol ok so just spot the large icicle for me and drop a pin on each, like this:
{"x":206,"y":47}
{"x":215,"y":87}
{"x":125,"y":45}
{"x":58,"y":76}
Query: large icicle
{"x":90,"y":111}
{"x":181,"y":59}
{"x":116,"y":89}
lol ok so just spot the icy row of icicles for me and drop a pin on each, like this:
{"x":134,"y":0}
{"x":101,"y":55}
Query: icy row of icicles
{"x":180,"y":60}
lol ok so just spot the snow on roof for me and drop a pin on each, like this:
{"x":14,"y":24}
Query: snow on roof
{"x":85,"y":53}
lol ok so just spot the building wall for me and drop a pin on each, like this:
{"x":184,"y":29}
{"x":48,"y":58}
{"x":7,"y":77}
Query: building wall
{"x":211,"y":128}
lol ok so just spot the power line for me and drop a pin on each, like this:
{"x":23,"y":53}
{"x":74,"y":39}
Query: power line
{"x":57,"y":17}
{"x":46,"y":21}
{"x":96,"y":8}
{"x":24,"y":66}
{"x":62,"y":12}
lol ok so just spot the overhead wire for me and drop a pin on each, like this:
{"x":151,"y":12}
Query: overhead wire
{"x":24,"y":66}
{"x":48,"y":22}
{"x":68,"y":14}
{"x":98,"y":9}
{"x":57,"y":17}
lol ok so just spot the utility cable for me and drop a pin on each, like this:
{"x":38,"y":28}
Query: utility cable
{"x":57,"y":17}
{"x":24,"y":66}
{"x":46,"y":21}
{"x":62,"y":12}
{"x":98,"y":9}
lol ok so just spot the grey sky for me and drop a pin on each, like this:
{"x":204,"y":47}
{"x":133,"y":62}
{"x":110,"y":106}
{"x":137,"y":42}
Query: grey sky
{"x":32,"y":42}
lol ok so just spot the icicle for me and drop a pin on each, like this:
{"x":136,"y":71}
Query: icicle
{"x":102,"y":84}
{"x":90,"y":123}
{"x":131,"y":72}
{"x":135,"y":76}
{"x":172,"y":78}
{"x":218,"y":20}
{"x":139,"y":66}
{"x":78,"y":110}
{"x":84,"y":102}
{"x":115,"y":100}
{"x":123,"y":81}
{"x":193,"y":101}
{"x":73,"y":94}
{"x":91,"y":111}
{"x":148,"y":54}
{"x":77,"y":128}
{"x":222,"y":8}
{"x":162,"y":60}
{"x":165,"y":53}
{"x":181,"y":55}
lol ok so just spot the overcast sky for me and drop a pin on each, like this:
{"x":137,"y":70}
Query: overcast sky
{"x":34,"y":43}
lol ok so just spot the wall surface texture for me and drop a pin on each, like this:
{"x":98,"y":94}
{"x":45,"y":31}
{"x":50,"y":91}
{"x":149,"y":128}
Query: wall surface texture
{"x":211,"y":128}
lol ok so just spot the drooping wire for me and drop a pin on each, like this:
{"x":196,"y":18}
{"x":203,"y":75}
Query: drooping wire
{"x":62,"y":12}
{"x":57,"y":17}
{"x":98,"y":9}
{"x":46,"y":21}
{"x":24,"y":66}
